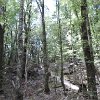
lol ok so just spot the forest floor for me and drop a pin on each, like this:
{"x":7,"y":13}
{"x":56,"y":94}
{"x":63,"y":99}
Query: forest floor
{"x":34,"y":89}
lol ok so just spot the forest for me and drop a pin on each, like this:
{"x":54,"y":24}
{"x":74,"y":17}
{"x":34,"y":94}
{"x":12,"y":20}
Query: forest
{"x":49,"y":50}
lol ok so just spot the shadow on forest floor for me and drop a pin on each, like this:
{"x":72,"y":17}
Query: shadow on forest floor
{"x":34,"y":88}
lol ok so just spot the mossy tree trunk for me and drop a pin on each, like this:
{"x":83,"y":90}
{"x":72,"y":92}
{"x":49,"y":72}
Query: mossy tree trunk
{"x":45,"y":55}
{"x":88,"y":51}
{"x":60,"y":43}
{"x":20,"y":74}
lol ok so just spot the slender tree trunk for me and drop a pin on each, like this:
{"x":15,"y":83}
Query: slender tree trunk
{"x":20,"y":37}
{"x":11,"y":56}
{"x":19,"y":95}
{"x":24,"y":54}
{"x":27,"y":30}
{"x":60,"y":43}
{"x":45,"y":55}
{"x":1,"y":55}
{"x":88,"y":53}
{"x":16,"y":44}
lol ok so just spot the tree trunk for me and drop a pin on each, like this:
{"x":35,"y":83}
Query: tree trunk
{"x":45,"y":58}
{"x":60,"y":43}
{"x":88,"y":53}
{"x":27,"y":30}
{"x":11,"y":55}
{"x":20,"y":37}
{"x":19,"y":95}
{"x":1,"y":55}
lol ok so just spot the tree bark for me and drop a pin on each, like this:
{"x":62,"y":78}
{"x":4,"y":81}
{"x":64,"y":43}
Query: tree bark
{"x":19,"y":95}
{"x":20,"y":37}
{"x":1,"y":55}
{"x":45,"y":55}
{"x":88,"y":53}
{"x":60,"y":43}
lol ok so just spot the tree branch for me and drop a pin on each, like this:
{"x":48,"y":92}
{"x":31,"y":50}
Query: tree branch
{"x":39,"y":5}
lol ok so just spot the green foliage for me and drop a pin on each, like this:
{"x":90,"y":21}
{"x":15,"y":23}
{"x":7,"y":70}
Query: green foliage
{"x":70,"y":25}
{"x":2,"y":2}
{"x":97,"y":27}
{"x":12,"y":12}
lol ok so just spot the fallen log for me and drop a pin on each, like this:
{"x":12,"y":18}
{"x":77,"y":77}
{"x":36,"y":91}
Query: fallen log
{"x":67,"y":83}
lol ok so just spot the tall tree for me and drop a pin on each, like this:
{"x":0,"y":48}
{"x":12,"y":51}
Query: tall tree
{"x":88,"y":53}
{"x":20,"y":71}
{"x":1,"y":55}
{"x":45,"y":55}
{"x":44,"y":41}
{"x":27,"y":30}
{"x":20,"y":37}
{"x":60,"y":43}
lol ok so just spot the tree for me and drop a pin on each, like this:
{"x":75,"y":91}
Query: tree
{"x":60,"y":43}
{"x":20,"y":71}
{"x":45,"y":55}
{"x":2,"y":30}
{"x":20,"y":38}
{"x":44,"y":41}
{"x":27,"y":22}
{"x":88,"y":53}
